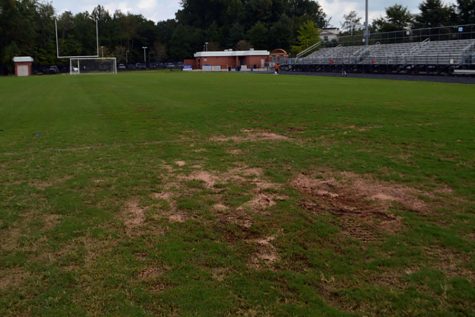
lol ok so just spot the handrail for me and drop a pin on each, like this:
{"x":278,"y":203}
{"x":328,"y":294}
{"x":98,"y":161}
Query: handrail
{"x":309,"y":49}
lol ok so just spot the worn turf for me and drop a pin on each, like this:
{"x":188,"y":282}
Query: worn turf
{"x":188,"y":194}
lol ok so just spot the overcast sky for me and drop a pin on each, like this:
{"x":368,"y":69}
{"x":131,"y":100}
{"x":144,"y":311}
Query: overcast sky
{"x":165,"y":9}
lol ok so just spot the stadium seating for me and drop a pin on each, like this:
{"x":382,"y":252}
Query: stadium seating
{"x":455,"y":52}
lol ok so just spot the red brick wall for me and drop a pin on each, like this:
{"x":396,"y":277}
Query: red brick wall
{"x":231,"y":61}
{"x":23,"y":63}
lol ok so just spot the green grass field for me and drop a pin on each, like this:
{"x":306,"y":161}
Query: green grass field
{"x":187,"y":194}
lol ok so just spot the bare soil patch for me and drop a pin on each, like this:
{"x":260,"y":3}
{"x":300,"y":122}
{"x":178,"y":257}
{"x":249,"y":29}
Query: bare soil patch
{"x":180,"y":163}
{"x":205,"y":177}
{"x":251,"y":136}
{"x":44,"y":184}
{"x":362,"y":203}
{"x":219,"y":274}
{"x":134,"y":215}
{"x":266,"y":254}
{"x":235,"y":151}
{"x":150,"y":274}
{"x":12,"y":278}
{"x":177,"y":218}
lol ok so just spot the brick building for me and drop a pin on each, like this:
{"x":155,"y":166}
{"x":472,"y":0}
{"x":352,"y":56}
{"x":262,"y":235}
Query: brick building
{"x":221,"y":60}
{"x":23,"y":65}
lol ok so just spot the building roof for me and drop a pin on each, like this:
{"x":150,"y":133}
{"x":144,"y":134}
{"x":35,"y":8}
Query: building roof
{"x":230,"y":53}
{"x":22,"y":59}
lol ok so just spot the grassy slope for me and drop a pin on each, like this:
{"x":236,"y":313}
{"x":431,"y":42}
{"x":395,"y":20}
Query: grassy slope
{"x":74,"y":150}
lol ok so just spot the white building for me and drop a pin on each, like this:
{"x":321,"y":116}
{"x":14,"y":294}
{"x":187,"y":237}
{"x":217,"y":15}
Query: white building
{"x":329,"y":34}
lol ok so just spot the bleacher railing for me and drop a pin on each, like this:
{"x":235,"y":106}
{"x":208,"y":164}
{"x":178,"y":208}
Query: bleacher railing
{"x":444,"y":33}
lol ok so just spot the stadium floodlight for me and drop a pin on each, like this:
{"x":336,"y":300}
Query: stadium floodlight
{"x":366,"y":31}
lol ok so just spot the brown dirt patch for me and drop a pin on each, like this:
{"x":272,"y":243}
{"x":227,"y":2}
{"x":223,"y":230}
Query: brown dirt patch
{"x":134,"y":215}
{"x":251,"y":136}
{"x":50,"y":221}
{"x":362,"y":203}
{"x":237,"y":217}
{"x":167,"y":196}
{"x":180,"y":163}
{"x":453,"y":264}
{"x":235,"y":151}
{"x":150,"y":274}
{"x":44,"y":184}
{"x":220,"y":207}
{"x":219,"y":274}
{"x":177,"y":218}
{"x":12,"y":278}
{"x":205,"y":177}
{"x":262,"y":201}
{"x":266,"y":254}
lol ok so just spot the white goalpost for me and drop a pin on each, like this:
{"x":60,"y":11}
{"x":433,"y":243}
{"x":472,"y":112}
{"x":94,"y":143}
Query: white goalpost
{"x":88,"y":64}
{"x":92,"y":65}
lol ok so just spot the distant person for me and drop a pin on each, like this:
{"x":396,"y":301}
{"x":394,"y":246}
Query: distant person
{"x":276,"y":69}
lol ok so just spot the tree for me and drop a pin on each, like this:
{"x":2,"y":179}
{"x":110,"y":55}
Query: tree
{"x":433,"y":13}
{"x":243,"y":45}
{"x":309,"y":35}
{"x":465,"y":10}
{"x":257,"y":35}
{"x":280,"y":33}
{"x":351,"y":22}
{"x":397,"y":18}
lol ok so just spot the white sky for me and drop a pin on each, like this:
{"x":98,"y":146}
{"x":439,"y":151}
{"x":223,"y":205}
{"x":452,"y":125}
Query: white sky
{"x":158,"y":10}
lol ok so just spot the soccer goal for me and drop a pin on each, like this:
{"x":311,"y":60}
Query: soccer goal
{"x":92,"y":65}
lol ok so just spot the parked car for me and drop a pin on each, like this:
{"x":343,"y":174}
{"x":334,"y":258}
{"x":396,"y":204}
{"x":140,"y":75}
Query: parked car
{"x":154,"y":65}
{"x":121,"y":67}
{"x":140,"y":66}
{"x":53,"y":69}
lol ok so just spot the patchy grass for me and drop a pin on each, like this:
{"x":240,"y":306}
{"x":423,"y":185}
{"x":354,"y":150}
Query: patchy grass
{"x":184,"y":194}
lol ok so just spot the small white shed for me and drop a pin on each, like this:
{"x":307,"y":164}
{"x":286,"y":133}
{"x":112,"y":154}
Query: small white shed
{"x":23,"y":65}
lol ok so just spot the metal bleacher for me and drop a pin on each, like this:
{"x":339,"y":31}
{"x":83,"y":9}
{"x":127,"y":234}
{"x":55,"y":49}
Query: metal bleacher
{"x":428,"y":52}
{"x":436,"y":50}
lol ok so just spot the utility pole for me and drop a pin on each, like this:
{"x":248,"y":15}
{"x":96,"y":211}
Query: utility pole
{"x":145,"y":55}
{"x":366,"y":31}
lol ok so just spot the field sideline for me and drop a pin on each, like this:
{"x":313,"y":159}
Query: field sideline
{"x":193,"y":194}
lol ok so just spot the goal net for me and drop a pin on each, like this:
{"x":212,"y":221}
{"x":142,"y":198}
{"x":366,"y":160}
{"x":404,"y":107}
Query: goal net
{"x":92,"y":65}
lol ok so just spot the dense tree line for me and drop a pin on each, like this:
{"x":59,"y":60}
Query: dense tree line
{"x":27,"y":27}
{"x":432,"y":14}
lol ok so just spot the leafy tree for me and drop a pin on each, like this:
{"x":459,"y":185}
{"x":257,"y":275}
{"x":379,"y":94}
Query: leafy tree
{"x":280,"y":33}
{"x":397,"y":18}
{"x":433,"y":13}
{"x":465,"y":10}
{"x":258,"y":35}
{"x":243,"y":45}
{"x":351,"y":22}
{"x":309,"y":34}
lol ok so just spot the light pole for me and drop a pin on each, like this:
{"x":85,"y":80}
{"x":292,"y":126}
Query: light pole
{"x":126,"y":57}
{"x":102,"y":51}
{"x":145,"y":55}
{"x":366,"y":31}
{"x":206,"y":46}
